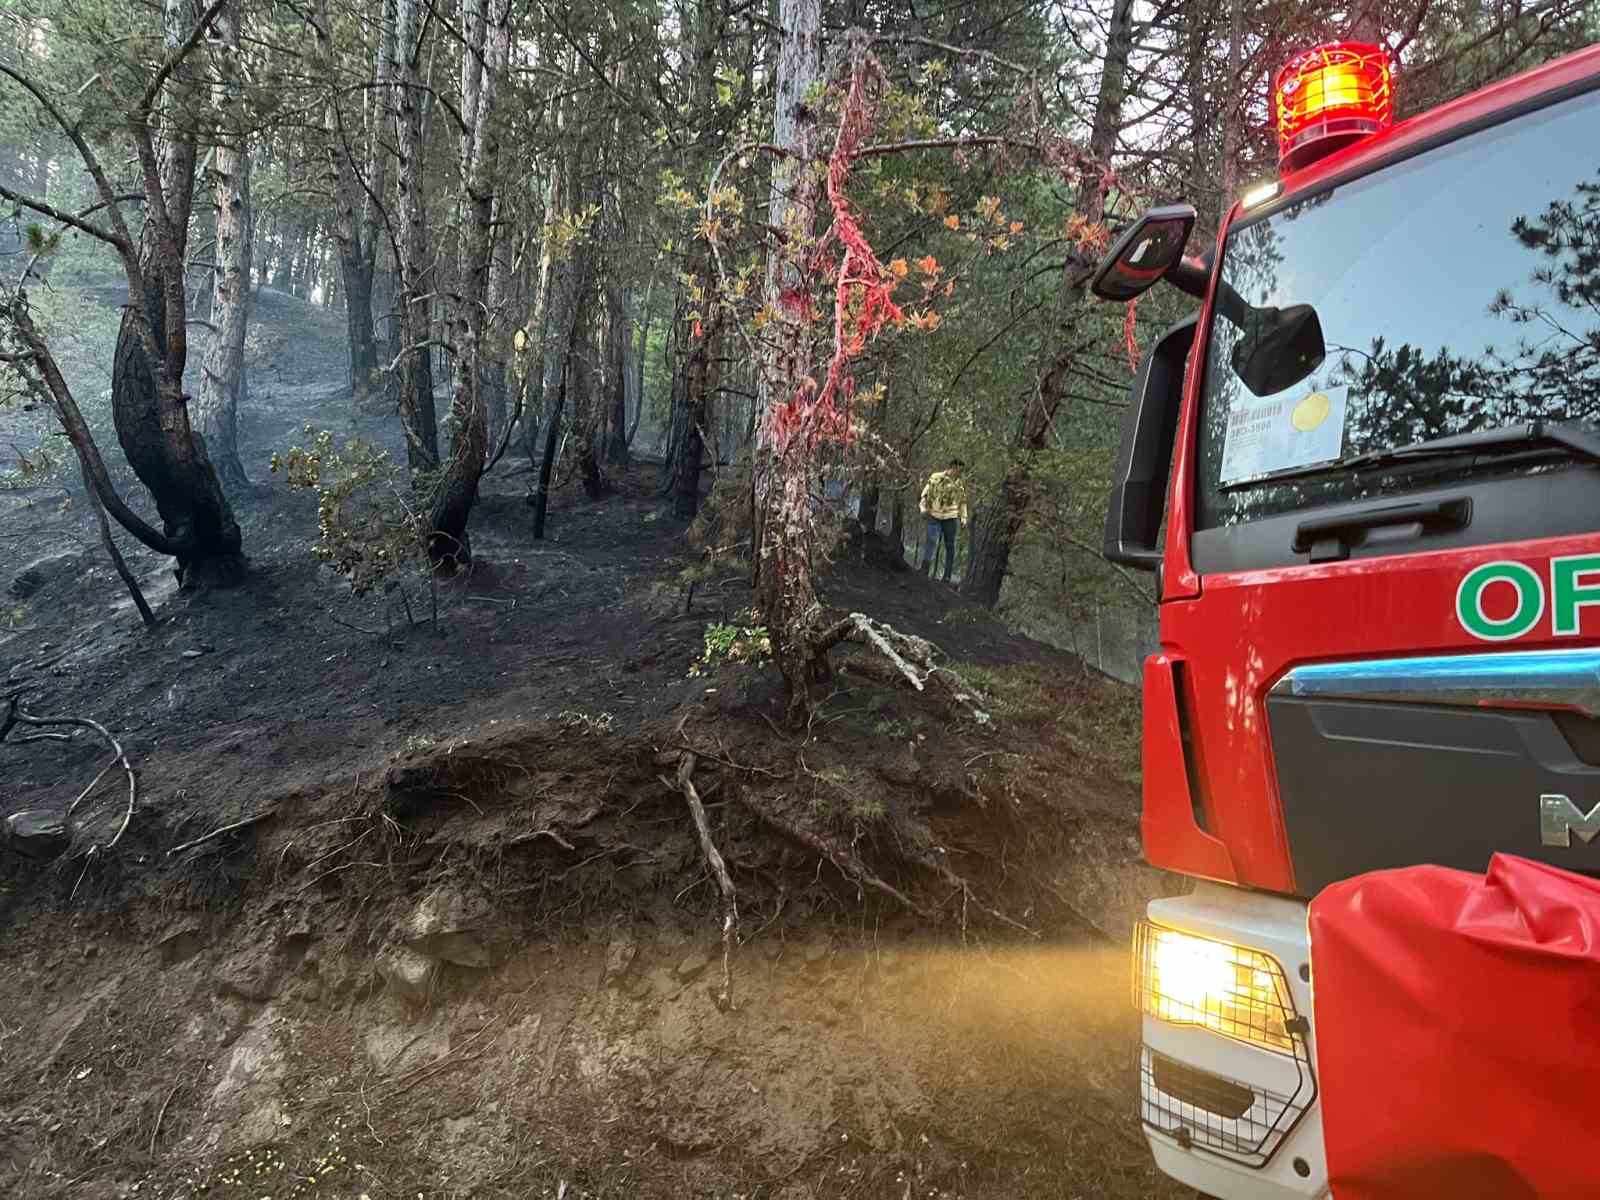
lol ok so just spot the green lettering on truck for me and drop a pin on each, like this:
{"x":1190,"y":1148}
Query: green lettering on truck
{"x":1529,"y":589}
{"x":1570,"y":592}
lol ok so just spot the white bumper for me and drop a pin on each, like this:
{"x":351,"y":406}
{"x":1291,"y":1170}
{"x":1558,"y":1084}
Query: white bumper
{"x":1209,"y":1151}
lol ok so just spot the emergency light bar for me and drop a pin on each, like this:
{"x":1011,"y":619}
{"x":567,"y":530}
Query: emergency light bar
{"x":1326,"y":98}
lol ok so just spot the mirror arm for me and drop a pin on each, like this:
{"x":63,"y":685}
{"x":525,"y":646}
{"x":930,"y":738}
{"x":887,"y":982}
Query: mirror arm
{"x":1192,"y":275}
{"x":1234,"y":306}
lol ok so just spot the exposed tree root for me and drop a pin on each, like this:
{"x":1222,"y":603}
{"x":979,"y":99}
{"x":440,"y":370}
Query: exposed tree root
{"x":218,"y":832}
{"x":957,"y":883}
{"x":848,"y":864}
{"x":16,"y":716}
{"x":730,"y":907}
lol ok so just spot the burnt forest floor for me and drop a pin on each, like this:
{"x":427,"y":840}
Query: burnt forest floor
{"x":464,"y":941}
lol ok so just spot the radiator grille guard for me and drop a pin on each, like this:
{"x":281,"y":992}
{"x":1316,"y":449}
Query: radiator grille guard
{"x":1208,"y":1112}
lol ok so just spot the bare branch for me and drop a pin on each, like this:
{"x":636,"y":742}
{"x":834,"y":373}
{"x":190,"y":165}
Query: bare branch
{"x":957,"y":51}
{"x":175,"y":59}
{"x":74,"y":220}
{"x":953,"y":143}
{"x":91,"y":162}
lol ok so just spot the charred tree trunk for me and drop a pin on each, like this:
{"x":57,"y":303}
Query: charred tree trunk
{"x":549,"y":292}
{"x":639,"y":362}
{"x":616,"y":376}
{"x":149,"y":407}
{"x":552,"y":431}
{"x":495,"y":366}
{"x":868,"y":516}
{"x":691,"y":451}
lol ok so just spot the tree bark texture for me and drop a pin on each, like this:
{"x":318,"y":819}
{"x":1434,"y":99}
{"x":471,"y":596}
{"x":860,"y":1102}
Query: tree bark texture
{"x":700,"y":320}
{"x":417,"y":415}
{"x":494,"y":361}
{"x":216,"y":413}
{"x":482,"y":69}
{"x":785,"y":591}
{"x":636,"y":361}
{"x":698,"y":376}
{"x":549,"y":292}
{"x":552,"y":423}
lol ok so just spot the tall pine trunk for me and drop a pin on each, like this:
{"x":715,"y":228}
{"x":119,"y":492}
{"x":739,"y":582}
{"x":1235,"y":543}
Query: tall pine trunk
{"x":540,"y":326}
{"x":1000,"y":522}
{"x":216,"y":413}
{"x":785,"y":591}
{"x":484,"y":63}
{"x":417,"y":415}
{"x":616,"y":376}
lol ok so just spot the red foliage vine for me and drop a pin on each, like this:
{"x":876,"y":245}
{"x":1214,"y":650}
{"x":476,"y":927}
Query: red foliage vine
{"x":861,"y":298}
{"x":1130,"y":339}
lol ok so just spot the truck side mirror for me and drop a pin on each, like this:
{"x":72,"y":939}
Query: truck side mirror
{"x":1149,"y":427}
{"x":1142,"y":256}
{"x":1280,"y":348}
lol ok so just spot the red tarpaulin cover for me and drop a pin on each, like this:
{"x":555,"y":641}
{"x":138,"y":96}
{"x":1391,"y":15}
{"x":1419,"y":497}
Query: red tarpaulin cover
{"x":1458,"y":1033}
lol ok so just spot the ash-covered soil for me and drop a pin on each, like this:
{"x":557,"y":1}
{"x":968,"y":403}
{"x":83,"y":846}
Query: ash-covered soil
{"x":464,"y":941}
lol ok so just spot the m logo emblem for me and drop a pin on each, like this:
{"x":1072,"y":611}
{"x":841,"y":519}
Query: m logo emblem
{"x":1559,"y":819}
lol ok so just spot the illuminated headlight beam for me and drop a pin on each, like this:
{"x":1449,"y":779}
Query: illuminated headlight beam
{"x":1231,"y":990}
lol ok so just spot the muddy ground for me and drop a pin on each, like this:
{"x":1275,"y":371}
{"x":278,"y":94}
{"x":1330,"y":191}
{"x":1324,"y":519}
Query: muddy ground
{"x":464,"y":941}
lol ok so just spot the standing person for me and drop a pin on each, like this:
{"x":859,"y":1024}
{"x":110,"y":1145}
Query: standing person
{"x":943,"y":503}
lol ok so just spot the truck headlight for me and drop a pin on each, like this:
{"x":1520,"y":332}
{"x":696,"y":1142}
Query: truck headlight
{"x":1228,"y":989}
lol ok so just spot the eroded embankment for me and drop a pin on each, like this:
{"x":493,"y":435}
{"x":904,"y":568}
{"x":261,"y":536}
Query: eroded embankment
{"x":494,"y":971}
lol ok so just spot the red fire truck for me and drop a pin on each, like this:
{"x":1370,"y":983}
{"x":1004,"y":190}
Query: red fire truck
{"x":1367,"y":476}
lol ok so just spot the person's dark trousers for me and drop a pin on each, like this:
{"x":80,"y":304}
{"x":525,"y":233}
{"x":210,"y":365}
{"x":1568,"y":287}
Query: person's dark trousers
{"x":945,"y":529}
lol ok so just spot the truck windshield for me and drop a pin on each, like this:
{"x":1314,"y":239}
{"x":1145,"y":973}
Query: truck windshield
{"x":1453,"y":292}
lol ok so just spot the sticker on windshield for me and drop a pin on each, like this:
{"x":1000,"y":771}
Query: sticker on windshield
{"x":1267,"y":436}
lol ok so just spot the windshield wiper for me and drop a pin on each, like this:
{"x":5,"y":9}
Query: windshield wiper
{"x":1508,"y":439}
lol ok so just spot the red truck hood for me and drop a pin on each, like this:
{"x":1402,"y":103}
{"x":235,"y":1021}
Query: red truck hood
{"x":1456,"y":1021}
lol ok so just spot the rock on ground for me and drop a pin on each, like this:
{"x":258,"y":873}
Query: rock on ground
{"x":38,"y":833}
{"x":408,"y":973}
{"x":447,"y":925}
{"x":41,"y":573}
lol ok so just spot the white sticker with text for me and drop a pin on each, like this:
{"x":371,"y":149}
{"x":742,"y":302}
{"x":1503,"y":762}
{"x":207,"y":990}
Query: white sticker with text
{"x":1267,"y":436}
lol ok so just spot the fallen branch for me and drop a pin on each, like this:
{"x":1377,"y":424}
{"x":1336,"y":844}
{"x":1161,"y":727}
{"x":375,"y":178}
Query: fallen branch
{"x":117,"y":561}
{"x":218,"y":832}
{"x":913,"y":657}
{"x":730,"y":907}
{"x":161,"y":1114}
